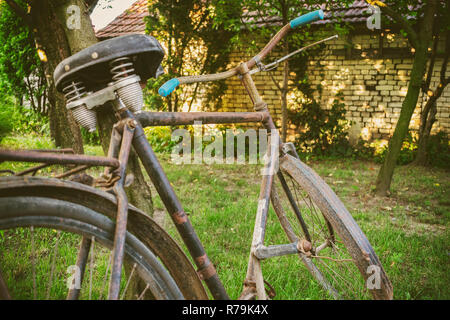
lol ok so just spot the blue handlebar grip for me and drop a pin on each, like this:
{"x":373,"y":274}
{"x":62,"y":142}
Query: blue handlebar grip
{"x":307,"y":18}
{"x":168,"y":87}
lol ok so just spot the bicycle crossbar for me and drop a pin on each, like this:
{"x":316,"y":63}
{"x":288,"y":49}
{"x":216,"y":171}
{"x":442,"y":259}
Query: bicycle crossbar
{"x":149,"y":119}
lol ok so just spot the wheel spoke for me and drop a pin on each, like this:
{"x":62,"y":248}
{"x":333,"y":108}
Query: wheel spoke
{"x":143,"y":292}
{"x":322,"y":246}
{"x":52,"y":268}
{"x":37,"y":250}
{"x":106,"y":276}
{"x":82,"y":258}
{"x":128,"y":282}
{"x":33,"y":261}
{"x":91,"y":266}
{"x":328,"y":253}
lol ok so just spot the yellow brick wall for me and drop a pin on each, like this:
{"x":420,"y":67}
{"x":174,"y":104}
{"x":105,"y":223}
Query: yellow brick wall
{"x":373,"y":89}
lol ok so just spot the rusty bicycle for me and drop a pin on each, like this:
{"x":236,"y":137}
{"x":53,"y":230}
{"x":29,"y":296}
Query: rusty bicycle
{"x":96,"y":213}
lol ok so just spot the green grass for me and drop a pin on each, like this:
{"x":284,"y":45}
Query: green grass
{"x":408,"y":230}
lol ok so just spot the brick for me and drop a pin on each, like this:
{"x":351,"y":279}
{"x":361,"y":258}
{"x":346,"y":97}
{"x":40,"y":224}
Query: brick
{"x":384,"y":87}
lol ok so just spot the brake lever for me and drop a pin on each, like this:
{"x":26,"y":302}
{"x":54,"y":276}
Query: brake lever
{"x":274,"y":65}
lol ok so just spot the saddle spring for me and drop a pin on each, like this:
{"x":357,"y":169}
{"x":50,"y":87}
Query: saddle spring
{"x":74,"y":90}
{"x":131,"y":95}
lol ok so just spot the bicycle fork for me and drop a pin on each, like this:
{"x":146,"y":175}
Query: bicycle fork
{"x":254,"y":281}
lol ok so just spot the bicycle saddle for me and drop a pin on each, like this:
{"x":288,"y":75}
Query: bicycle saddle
{"x":92,"y":65}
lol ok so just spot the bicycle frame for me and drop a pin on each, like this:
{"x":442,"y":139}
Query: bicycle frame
{"x":206,"y":270}
{"x":129,"y":131}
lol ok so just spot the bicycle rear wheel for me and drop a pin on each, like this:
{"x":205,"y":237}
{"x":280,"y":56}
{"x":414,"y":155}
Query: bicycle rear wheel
{"x":42,"y":223}
{"x":337,"y":252}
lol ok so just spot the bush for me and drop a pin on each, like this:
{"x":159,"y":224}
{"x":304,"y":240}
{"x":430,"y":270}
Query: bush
{"x":90,"y":138}
{"x":439,"y":150}
{"x":19,"y":119}
{"x":6,"y":117}
{"x":160,"y":138}
{"x":376,"y":150}
{"x":407,"y":152}
{"x":322,"y":132}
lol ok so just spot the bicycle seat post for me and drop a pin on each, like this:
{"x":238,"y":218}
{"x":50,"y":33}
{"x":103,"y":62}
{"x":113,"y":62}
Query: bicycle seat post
{"x":122,"y":210}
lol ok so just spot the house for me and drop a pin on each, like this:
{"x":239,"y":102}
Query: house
{"x":130,"y":21}
{"x":370,"y":68}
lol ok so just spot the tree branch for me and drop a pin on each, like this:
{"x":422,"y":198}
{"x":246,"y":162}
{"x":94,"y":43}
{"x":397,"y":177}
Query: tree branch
{"x":433,"y":57}
{"x":20,"y":12}
{"x":446,"y":58}
{"x":413,"y":37}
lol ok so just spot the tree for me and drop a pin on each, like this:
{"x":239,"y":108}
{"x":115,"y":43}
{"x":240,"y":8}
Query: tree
{"x":429,"y":111}
{"x":419,"y":34}
{"x":196,"y":34}
{"x":263,"y":12}
{"x":49,"y":36}
{"x":48,"y":21}
{"x":261,"y":16}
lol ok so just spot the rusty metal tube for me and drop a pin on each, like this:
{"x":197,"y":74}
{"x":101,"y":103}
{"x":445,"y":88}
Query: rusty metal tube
{"x":122,"y":214}
{"x":82,"y":257}
{"x":148,"y":119}
{"x":151,"y":164}
{"x":32,"y":170}
{"x":48,"y":158}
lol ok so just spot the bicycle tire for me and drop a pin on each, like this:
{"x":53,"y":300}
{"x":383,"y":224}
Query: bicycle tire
{"x":76,"y":208}
{"x":341,"y":223}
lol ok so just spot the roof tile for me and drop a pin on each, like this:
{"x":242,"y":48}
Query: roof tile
{"x":132,"y":19}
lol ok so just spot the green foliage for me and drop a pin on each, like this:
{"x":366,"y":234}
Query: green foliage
{"x":20,"y":119}
{"x":321,"y":132}
{"x":190,"y":31}
{"x":90,"y":138}
{"x":439,"y":148}
{"x":152,"y":100}
{"x":160,"y":138}
{"x":6,"y":116}
{"x":21,"y":73}
{"x":407,"y":152}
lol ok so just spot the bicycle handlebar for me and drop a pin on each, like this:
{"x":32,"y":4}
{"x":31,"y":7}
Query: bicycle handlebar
{"x":169,"y":86}
{"x":306,"y":18}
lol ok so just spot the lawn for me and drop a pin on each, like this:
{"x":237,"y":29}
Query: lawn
{"x":408,"y":229}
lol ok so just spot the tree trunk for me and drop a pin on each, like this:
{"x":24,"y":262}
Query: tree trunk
{"x":64,"y":130}
{"x":424,"y":134}
{"x":285,"y":85}
{"x":386,"y":172}
{"x":139,"y":193}
{"x":384,"y":178}
{"x":428,"y":115}
{"x":284,"y":93}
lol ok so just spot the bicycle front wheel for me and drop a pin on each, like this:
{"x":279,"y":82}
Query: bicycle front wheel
{"x":335,"y":250}
{"x":56,"y":241}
